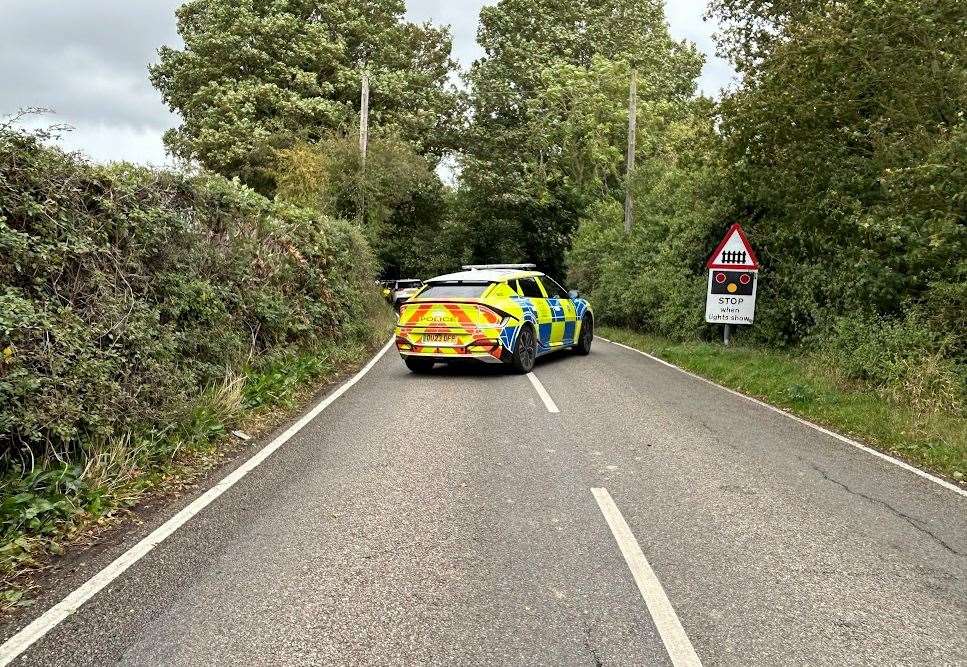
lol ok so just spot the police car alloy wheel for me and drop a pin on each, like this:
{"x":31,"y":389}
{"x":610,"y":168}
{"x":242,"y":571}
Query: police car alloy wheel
{"x":525,"y":352}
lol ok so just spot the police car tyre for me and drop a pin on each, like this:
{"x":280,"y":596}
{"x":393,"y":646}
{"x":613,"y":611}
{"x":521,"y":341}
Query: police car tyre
{"x":587,"y":336}
{"x":419,"y":364}
{"x":525,"y":351}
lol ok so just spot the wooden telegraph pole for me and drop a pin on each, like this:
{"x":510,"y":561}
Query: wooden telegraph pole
{"x":363,"y":142}
{"x":632,"y":122}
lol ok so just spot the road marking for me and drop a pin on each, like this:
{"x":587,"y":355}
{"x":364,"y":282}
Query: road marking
{"x":842,"y":438}
{"x":21,"y":641}
{"x":670,"y":629}
{"x":548,"y":401}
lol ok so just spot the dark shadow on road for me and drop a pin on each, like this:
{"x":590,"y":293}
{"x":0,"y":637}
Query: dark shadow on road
{"x":471,"y":368}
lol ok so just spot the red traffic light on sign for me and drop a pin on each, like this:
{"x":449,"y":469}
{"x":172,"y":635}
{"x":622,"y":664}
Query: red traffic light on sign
{"x":737,"y":283}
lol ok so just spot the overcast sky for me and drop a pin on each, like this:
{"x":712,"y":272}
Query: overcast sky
{"x":87,"y":60}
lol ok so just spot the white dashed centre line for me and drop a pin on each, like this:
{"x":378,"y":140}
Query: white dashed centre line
{"x":548,"y":401}
{"x":670,"y":629}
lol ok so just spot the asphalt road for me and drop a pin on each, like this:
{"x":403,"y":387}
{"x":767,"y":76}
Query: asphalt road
{"x":449,"y":519}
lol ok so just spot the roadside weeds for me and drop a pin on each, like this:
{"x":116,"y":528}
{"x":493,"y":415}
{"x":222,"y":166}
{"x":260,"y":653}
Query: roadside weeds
{"x":61,"y":507}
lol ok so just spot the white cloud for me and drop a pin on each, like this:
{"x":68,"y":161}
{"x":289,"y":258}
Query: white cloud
{"x":87,"y":61}
{"x":685,"y":22}
{"x":101,"y":142}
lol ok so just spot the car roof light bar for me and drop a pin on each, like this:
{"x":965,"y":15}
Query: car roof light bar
{"x":485,"y":267}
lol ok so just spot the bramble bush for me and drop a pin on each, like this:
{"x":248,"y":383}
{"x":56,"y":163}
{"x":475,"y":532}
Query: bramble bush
{"x":129,"y":297}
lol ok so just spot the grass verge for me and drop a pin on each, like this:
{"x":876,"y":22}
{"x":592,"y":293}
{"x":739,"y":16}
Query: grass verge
{"x":805,"y":386}
{"x":58,"y":504}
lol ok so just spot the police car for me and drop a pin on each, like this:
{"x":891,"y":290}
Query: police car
{"x":495,"y":313}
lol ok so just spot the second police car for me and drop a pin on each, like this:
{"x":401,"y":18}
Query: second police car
{"x":496,"y":313}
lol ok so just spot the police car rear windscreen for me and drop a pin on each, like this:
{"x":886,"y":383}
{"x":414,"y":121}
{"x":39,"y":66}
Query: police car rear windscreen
{"x":454,"y":290}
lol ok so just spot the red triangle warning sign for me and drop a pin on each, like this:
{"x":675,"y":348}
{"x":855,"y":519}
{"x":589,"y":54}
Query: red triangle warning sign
{"x":734,"y":252}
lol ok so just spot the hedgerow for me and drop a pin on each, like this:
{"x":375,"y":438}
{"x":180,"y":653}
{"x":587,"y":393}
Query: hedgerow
{"x":128,"y":294}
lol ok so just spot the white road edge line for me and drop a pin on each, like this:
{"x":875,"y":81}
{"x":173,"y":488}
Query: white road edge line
{"x":842,"y":438}
{"x":673,"y":636}
{"x":21,"y":641}
{"x":548,"y":401}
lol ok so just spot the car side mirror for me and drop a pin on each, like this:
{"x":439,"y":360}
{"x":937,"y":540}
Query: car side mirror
{"x":573,"y":294}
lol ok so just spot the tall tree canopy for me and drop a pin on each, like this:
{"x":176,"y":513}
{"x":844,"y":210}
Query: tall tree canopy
{"x":258,"y":75}
{"x":532,"y":47}
{"x":846,"y":144}
{"x":842,"y":153}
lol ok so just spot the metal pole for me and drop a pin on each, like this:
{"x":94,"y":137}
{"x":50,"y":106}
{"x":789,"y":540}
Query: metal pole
{"x":363,"y":142}
{"x":727,"y":334}
{"x":364,"y":120}
{"x":632,"y":122}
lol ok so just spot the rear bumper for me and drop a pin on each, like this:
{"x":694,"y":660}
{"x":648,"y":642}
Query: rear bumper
{"x":484,"y":358}
{"x":484,"y":347}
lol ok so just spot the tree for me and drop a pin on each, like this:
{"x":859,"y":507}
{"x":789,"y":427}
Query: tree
{"x":407,"y":217}
{"x":256,"y":76}
{"x":327,"y":176}
{"x":516,"y":90}
{"x":578,"y":120}
{"x":846,"y":143}
{"x":653,"y":278}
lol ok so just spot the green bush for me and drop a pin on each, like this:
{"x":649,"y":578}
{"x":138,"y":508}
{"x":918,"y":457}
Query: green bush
{"x":639,"y":280}
{"x":125,"y":293}
{"x":904,"y":358}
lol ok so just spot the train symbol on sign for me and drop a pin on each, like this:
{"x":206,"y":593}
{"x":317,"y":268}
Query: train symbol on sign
{"x":734,"y":257}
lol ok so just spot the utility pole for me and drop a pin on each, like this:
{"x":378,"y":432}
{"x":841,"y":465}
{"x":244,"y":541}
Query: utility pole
{"x":632,"y":123}
{"x":363,"y":142}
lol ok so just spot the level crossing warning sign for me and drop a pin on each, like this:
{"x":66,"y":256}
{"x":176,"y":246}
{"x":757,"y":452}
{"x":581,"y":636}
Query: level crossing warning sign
{"x":734,"y":252}
{"x":732,"y":280}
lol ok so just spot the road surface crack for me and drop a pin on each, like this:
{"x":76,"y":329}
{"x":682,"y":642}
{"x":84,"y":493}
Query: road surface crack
{"x":589,"y":645}
{"x":910,"y":520}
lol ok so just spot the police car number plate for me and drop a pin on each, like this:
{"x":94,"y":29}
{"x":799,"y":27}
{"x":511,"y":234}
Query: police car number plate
{"x":439,"y":338}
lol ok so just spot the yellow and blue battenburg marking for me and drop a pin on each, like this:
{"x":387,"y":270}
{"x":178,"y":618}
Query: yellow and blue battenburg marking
{"x":478,"y":314}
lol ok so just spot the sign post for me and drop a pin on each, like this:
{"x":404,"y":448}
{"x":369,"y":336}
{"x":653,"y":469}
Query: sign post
{"x":733,"y":279}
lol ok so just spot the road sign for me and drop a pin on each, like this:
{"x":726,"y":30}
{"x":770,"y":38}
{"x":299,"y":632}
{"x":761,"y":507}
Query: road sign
{"x":732,"y":280}
{"x":731,"y":297}
{"x":734,"y":252}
